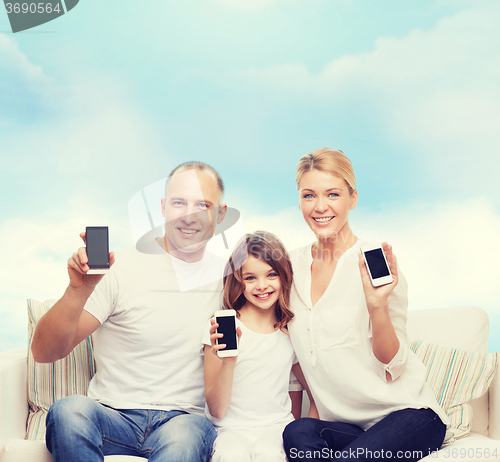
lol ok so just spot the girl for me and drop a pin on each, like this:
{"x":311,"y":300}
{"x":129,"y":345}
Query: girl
{"x":350,"y":337}
{"x":247,"y":395}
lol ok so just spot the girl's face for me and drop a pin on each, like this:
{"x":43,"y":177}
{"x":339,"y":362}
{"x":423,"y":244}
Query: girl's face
{"x":262,"y":283}
{"x":325,"y":203}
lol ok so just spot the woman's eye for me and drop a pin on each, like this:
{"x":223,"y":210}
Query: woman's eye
{"x":272,"y":275}
{"x":203,"y":206}
{"x":333,"y":195}
{"x":307,"y":196}
{"x":177,"y":203}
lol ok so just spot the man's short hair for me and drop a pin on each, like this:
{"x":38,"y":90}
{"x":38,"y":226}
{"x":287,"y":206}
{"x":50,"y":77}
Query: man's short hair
{"x":202,"y":167}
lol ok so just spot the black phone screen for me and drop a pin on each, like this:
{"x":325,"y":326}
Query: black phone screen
{"x":376,"y":262}
{"x":227,"y":326}
{"x":97,"y":242}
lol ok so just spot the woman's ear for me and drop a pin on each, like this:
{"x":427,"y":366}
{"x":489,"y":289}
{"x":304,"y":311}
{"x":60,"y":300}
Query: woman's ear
{"x":354,"y":199}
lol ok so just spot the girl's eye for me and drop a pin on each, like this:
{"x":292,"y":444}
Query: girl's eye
{"x":249,"y":278}
{"x":272,"y":275}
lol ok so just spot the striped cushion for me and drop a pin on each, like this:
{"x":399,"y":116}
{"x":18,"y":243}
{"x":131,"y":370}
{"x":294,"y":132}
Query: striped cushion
{"x":456,"y":377}
{"x":49,"y":382}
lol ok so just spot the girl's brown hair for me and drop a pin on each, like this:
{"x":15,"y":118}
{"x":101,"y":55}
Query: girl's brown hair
{"x":268,"y":248}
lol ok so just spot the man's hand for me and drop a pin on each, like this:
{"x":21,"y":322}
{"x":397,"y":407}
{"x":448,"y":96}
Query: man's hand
{"x":78,"y":268}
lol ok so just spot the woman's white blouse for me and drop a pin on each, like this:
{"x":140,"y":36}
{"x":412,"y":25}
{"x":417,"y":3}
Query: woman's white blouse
{"x":333,"y":343}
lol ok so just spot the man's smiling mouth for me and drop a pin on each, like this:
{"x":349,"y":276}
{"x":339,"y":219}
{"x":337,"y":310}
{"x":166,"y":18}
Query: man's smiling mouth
{"x":188,"y":230}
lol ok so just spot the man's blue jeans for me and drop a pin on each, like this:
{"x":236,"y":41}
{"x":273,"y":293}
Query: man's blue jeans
{"x":82,"y":430}
{"x":405,"y":435}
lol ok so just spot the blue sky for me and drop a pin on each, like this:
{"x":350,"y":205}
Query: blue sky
{"x":109,"y":98}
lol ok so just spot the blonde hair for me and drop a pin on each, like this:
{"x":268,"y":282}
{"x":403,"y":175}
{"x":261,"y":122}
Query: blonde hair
{"x":327,"y":160}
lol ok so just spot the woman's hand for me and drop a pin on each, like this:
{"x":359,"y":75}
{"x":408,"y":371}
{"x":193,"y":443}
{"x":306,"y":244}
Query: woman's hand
{"x":377,"y":296}
{"x":216,"y":347}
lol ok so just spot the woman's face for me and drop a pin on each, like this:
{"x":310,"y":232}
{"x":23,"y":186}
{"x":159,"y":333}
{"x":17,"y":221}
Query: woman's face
{"x":325,"y":203}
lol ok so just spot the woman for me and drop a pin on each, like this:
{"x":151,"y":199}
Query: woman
{"x":350,"y":337}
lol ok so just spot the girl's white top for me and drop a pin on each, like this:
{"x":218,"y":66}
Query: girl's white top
{"x":260,"y":384}
{"x":333,"y":343}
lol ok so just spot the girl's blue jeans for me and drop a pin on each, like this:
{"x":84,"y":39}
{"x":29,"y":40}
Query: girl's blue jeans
{"x":405,"y":435}
{"x":82,"y":430}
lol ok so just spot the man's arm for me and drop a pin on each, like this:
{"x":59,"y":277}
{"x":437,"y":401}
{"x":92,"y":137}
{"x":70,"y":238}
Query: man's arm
{"x":63,"y":327}
{"x":66,"y":324}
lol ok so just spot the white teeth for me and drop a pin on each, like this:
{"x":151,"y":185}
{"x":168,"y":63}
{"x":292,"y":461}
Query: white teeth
{"x":188,"y":231}
{"x":323,"y":219}
{"x":263,"y":295}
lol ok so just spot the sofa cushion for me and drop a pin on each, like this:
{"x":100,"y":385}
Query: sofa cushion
{"x":49,"y":382}
{"x":456,"y":377}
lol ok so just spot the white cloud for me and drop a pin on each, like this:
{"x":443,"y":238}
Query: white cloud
{"x":447,"y":251}
{"x":15,"y":61}
{"x":25,"y":86}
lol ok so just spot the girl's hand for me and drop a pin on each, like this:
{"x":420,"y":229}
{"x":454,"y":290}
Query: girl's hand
{"x":377,"y":296}
{"x":213,"y":340}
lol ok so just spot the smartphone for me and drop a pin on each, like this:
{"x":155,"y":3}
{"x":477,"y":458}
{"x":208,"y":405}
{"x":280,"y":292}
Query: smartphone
{"x":227,"y":326}
{"x":377,"y":266}
{"x":97,"y":242}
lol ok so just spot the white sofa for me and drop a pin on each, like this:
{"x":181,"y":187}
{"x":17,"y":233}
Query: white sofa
{"x":460,"y":327}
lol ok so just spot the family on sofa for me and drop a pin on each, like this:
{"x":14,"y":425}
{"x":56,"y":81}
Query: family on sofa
{"x":316,"y":311}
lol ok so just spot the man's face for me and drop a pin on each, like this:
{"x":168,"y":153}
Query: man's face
{"x":191,"y":210}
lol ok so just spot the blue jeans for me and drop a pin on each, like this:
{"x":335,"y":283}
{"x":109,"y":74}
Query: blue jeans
{"x":408,"y":434}
{"x":82,"y":430}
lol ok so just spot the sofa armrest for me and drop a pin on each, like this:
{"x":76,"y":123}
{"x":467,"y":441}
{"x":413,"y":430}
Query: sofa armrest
{"x":494,"y":405}
{"x":13,"y":401}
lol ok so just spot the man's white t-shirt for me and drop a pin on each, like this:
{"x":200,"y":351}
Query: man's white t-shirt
{"x":147,"y":349}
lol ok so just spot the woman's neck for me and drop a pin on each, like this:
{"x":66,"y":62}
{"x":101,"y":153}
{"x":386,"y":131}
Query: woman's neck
{"x":332,"y":248}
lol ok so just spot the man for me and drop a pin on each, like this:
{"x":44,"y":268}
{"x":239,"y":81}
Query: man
{"x":147,"y":397}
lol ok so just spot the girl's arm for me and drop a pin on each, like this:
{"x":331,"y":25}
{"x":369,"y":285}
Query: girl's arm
{"x":218,"y":375}
{"x":313,"y":411}
{"x":296,"y":397}
{"x":385,"y":342}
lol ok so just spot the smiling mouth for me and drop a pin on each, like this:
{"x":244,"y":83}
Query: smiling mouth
{"x":264,"y":296}
{"x":188,"y":230}
{"x":322,"y":219}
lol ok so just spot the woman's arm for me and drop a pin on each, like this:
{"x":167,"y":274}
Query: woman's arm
{"x":386,"y":345}
{"x":219,"y":374}
{"x":313,"y":411}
